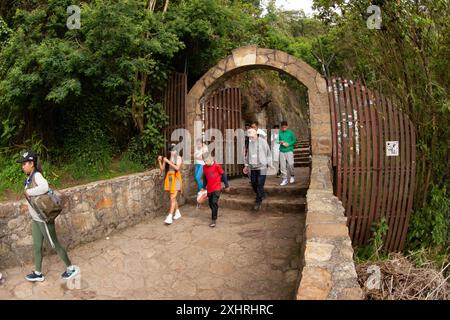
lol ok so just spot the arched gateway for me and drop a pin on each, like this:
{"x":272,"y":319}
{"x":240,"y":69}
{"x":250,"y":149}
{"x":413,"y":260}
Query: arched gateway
{"x":253,"y":57}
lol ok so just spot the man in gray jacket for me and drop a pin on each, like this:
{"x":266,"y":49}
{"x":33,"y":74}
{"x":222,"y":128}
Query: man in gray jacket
{"x":258,"y":160}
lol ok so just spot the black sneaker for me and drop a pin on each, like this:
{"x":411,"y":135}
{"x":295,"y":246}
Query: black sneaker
{"x":34,"y":277}
{"x":257,"y":207}
{"x":70,"y":273}
{"x":213,"y":223}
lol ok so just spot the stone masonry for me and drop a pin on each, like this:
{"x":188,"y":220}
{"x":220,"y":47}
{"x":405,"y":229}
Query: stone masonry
{"x":328,"y":267}
{"x":91,"y":212}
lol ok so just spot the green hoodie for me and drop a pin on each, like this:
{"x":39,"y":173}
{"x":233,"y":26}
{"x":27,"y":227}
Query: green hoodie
{"x":288,"y":137}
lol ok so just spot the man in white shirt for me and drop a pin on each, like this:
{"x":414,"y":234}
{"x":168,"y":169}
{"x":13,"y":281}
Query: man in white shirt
{"x":274,"y":134}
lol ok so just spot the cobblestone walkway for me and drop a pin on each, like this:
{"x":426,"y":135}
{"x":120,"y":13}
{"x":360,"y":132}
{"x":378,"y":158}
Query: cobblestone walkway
{"x":247,"y":256}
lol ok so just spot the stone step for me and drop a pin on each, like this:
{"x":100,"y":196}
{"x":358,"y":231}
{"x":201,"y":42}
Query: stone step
{"x":301,"y":156}
{"x":305,"y":150}
{"x":302,"y":164}
{"x":300,"y":160}
{"x":289,"y":190}
{"x":270,"y":204}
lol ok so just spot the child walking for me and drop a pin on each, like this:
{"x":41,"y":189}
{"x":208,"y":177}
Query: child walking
{"x":213,"y":175}
{"x":36,"y":185}
{"x":171,"y":166}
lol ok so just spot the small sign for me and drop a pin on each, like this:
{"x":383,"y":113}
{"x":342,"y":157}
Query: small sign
{"x":392,"y":149}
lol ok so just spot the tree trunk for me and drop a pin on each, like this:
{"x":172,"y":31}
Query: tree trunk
{"x":137,"y":109}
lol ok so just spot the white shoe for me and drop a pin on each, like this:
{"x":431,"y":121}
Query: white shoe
{"x":177,"y":215}
{"x":284,"y":182}
{"x":169,"y":219}
{"x":292,"y":180}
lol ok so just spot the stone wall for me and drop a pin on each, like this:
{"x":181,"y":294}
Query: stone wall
{"x":91,"y":212}
{"x":328,"y":268}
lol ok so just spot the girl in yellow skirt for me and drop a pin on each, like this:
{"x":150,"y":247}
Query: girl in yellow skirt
{"x":171,"y":167}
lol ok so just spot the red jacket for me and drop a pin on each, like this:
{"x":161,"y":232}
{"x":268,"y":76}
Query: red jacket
{"x":213,"y":175}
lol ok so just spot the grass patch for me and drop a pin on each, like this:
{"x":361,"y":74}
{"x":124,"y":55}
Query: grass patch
{"x":62,"y":176}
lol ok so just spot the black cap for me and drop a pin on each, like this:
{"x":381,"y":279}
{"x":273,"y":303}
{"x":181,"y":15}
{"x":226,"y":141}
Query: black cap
{"x":171,"y":147}
{"x":29,"y":155}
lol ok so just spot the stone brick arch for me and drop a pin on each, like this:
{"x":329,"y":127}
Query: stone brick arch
{"x":253,"y":57}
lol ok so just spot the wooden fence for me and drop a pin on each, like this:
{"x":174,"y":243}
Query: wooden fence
{"x":374,"y":153}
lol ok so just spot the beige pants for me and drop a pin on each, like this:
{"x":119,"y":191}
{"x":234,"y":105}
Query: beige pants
{"x":287,"y":164}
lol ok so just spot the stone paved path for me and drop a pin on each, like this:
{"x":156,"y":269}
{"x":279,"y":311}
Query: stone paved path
{"x":247,"y":256}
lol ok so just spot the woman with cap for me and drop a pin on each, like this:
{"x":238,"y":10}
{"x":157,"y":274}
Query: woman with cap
{"x":36,"y":185}
{"x":171,"y":167}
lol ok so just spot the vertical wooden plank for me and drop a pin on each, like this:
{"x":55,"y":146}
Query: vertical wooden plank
{"x":233,"y":106}
{"x":234,"y":125}
{"x":345,"y":139}
{"x":341,"y":159}
{"x":365,"y":172}
{"x":226,"y":126}
{"x":233,"y":102}
{"x":412,"y":175}
{"x":183,"y":101}
{"x":176,"y":112}
{"x":405,"y":154}
{"x":374,"y":178}
{"x":350,"y":146}
{"x":357,"y":105}
{"x":380,"y":164}
{"x":386,"y":173}
{"x":238,"y":124}
{"x":215,"y":120}
{"x":393,"y":177}
{"x":398,"y":180}
{"x":333,"y":118}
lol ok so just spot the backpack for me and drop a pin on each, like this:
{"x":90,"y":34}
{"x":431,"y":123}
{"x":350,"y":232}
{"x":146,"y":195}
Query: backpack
{"x":47,"y":205}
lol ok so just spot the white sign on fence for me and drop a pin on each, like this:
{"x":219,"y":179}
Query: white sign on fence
{"x":392,"y":149}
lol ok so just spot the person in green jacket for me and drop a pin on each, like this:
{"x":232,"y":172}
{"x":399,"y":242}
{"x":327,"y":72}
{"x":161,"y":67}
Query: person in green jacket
{"x":287,"y":141}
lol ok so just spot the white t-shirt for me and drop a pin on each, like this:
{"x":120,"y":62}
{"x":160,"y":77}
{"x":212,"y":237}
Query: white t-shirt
{"x":261,"y":132}
{"x":198,"y":154}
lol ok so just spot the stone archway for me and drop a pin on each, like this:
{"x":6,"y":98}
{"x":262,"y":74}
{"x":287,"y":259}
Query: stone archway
{"x":253,"y":57}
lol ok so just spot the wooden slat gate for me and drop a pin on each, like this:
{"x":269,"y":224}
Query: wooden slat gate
{"x":370,"y":179}
{"x":223,"y":110}
{"x":175,"y":104}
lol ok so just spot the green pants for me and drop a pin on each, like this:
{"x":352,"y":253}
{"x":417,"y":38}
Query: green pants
{"x":39,"y":232}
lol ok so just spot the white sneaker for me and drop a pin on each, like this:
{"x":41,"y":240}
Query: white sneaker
{"x":169,"y":219}
{"x":177,"y":215}
{"x":284,"y":182}
{"x":292,"y":180}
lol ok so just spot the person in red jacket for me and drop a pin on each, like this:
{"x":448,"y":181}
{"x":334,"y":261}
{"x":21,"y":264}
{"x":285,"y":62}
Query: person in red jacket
{"x":213,"y":174}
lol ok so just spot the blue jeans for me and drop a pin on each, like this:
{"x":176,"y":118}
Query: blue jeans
{"x":258,"y":179}
{"x":198,"y":175}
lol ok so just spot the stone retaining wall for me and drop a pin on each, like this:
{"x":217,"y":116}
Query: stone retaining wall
{"x":328,"y":268}
{"x":91,"y":212}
